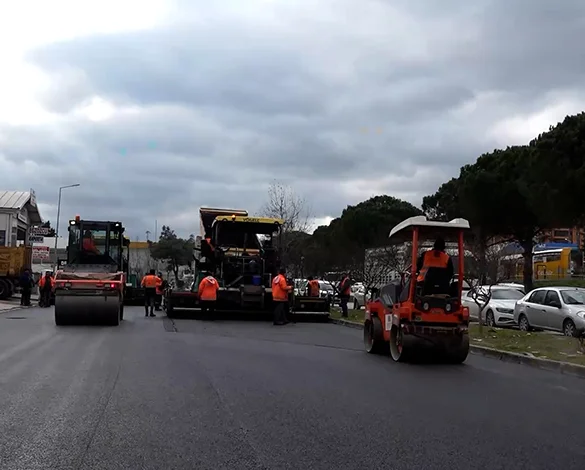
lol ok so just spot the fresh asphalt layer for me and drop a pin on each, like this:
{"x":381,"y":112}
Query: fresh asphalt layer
{"x":185,"y":394}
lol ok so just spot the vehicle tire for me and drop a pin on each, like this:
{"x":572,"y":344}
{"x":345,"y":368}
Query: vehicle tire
{"x":374,"y":337}
{"x":490,"y":319}
{"x":523,"y":323}
{"x":114,"y":319}
{"x":569,"y":328}
{"x":458,"y":350}
{"x":400,"y":350}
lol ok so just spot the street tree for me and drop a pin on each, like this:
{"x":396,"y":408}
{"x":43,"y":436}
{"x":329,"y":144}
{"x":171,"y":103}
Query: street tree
{"x":175,"y":251}
{"x":283,"y":203}
{"x":47,"y":225}
{"x":557,"y":172}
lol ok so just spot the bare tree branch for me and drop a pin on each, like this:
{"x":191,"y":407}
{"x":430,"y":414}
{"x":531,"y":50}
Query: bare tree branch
{"x":285,"y":204}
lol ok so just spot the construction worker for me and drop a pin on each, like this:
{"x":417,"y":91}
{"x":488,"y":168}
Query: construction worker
{"x":280,"y":292}
{"x":344,"y":293}
{"x":313,"y":288}
{"x":26,"y":283}
{"x":207,"y":292}
{"x":159,"y":293}
{"x":435,"y":258}
{"x":150,"y":283}
{"x":89,"y":243}
{"x":46,"y":286}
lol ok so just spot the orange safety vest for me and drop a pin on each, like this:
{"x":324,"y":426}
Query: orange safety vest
{"x":280,"y":289}
{"x":432,"y":259}
{"x":208,"y":288}
{"x":159,"y":283}
{"x":43,"y":281}
{"x":347,"y":291}
{"x":150,"y":281}
{"x":314,"y":288}
{"x":89,"y":245}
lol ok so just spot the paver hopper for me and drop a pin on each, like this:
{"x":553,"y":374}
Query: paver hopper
{"x":422,"y":312}
{"x":90,"y":286}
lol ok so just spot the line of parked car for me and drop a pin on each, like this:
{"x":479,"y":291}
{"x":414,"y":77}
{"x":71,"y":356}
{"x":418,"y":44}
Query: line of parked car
{"x":560,"y":309}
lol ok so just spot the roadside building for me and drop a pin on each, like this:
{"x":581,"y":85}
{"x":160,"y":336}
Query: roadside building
{"x":18,"y":212}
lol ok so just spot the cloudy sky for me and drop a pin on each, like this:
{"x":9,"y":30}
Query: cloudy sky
{"x":157,"y":107}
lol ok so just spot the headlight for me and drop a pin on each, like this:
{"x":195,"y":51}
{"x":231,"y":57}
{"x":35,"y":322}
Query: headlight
{"x":505,"y":310}
{"x":581,"y":315}
{"x":448,"y":307}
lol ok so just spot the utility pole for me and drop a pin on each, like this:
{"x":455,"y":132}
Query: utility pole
{"x":59,"y":216}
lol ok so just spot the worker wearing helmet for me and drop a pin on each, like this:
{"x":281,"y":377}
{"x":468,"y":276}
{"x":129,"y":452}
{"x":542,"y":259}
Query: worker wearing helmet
{"x":435,"y":258}
{"x":207,"y":292}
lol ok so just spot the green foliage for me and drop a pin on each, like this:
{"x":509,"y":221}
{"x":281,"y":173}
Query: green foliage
{"x":341,"y":245}
{"x":47,"y":224}
{"x":177,"y":251}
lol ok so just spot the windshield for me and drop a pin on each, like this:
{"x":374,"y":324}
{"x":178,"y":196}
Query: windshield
{"x":506,"y":294}
{"x":324,"y":286}
{"x":573,"y":297}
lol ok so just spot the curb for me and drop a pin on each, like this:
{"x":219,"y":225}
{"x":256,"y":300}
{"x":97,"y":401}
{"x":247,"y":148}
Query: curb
{"x":348,"y":323}
{"x":565,"y":368}
{"x":545,"y":364}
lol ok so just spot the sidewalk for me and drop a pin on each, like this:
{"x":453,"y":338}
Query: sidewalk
{"x":14,"y":303}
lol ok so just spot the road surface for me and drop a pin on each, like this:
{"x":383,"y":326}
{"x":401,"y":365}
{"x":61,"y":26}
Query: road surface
{"x":151,"y":394}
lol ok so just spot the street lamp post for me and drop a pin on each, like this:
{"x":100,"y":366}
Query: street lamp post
{"x":59,"y":215}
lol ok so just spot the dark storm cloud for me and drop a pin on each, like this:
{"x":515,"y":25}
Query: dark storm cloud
{"x":342,"y":100}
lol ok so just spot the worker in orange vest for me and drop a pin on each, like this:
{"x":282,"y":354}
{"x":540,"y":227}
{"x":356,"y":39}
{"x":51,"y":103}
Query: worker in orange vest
{"x":159,"y":292}
{"x":45,"y":287}
{"x":89,"y":243}
{"x":344,"y":294}
{"x":280,"y":292}
{"x":435,"y":258}
{"x":313,"y":288}
{"x":150,"y":282}
{"x":207,"y":292}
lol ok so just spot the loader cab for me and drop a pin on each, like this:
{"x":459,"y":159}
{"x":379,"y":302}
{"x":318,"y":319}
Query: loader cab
{"x":96,"y":243}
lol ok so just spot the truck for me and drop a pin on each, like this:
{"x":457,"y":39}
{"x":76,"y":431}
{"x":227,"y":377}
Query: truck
{"x":91,"y":285}
{"x":242,"y":254}
{"x":14,"y":260}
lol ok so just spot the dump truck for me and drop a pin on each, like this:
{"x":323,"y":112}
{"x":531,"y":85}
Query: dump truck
{"x":90,"y":286}
{"x":241,"y":252}
{"x":421,"y":314}
{"x":14,"y":260}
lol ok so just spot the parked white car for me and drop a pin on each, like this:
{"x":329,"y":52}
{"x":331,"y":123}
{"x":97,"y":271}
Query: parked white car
{"x":499,"y":311}
{"x":552,"y":308}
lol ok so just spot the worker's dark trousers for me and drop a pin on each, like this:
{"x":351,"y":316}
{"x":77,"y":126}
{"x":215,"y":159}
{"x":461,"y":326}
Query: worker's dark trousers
{"x":149,"y":300}
{"x":343,"y":304}
{"x":208,"y":309}
{"x":25,"y":296}
{"x":45,"y":297}
{"x":280,"y":313}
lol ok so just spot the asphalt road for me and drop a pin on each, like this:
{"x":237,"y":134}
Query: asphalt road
{"x":151,"y":394}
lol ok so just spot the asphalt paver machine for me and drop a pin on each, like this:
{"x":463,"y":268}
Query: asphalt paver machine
{"x":413,"y":318}
{"x":90,"y":286}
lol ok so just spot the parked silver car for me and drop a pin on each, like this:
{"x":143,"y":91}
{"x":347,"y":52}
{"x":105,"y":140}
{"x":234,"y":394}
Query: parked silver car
{"x":552,"y":308}
{"x":499,"y":311}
